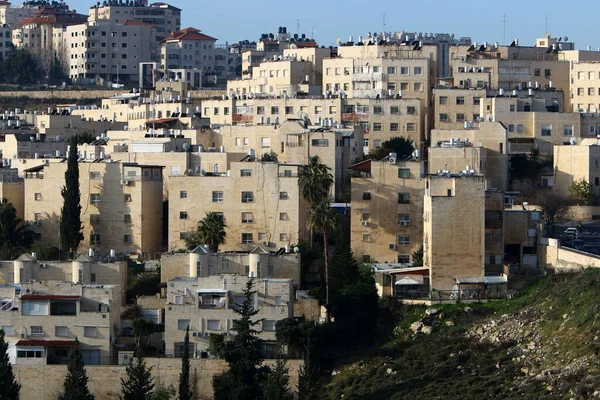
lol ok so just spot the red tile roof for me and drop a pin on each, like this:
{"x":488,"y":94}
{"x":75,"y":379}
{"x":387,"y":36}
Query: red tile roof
{"x":188,"y":34}
{"x":5,"y":3}
{"x":48,"y":297}
{"x":49,"y":15}
{"x":47,"y":343}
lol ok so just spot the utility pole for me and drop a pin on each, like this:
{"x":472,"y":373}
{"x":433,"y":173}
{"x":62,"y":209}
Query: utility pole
{"x":504,"y":28}
{"x":297,"y":27}
{"x":384,"y":22}
{"x":312,"y":32}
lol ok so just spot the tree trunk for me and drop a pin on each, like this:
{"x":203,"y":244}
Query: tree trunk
{"x":325,"y":253}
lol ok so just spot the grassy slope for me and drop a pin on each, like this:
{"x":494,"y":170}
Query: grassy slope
{"x":541,"y":345}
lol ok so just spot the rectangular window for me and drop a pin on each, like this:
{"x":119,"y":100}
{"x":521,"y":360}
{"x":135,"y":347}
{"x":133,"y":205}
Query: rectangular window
{"x":403,"y":219}
{"x":366,"y":196}
{"x":246,"y":172}
{"x":289,"y":110}
{"x":403,"y":198}
{"x":95,"y":175}
{"x":394,"y":110}
{"x":418,"y":86}
{"x":546,"y":130}
{"x":520,"y":128}
{"x":404,"y":71}
{"x":410,"y":110}
{"x":61,"y":331}
{"x":318,"y":110}
{"x":217,"y":197}
{"x":391,"y":70}
{"x":246,"y":238}
{"x":476,"y":101}
{"x":127,"y":198}
{"x":511,"y":127}
{"x":376,"y":126}
{"x":183,"y":215}
{"x":213,"y":324}
{"x":590,"y":91}
{"x":36,"y":330}
{"x":443,"y":100}
{"x":403,"y":259}
{"x":126,"y":218}
{"x":95,"y":238}
{"x":377,"y":110}
{"x":320,"y":142}
{"x":283,"y":216}
{"x":283,"y":196}
{"x":37,"y":197}
{"x":568,"y":130}
{"x":260,"y":110}
{"x":283,"y":237}
{"x":460,"y":101}
{"x":9,"y":330}
{"x":265,"y":143}
{"x":268,"y":325}
{"x":182,"y":324}
{"x":547,"y":73}
{"x":183,"y":194}
{"x":418,"y":70}
{"x":366,"y":237}
{"x":403,"y":173}
{"x":403,"y":240}
{"x":247,"y":197}
{"x":460,"y":117}
{"x":394,"y":127}
{"x":274,"y":110}
{"x":443,"y":117}
{"x":95,"y":198}
{"x":247,"y":218}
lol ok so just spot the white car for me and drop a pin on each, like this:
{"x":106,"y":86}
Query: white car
{"x":574,"y":232}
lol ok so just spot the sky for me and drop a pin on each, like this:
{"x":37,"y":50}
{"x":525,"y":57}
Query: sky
{"x":482,"y":20}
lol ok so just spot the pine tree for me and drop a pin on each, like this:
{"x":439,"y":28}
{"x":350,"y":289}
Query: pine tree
{"x":138,"y":385}
{"x":308,"y":379}
{"x":70,"y":221}
{"x":185,"y":389}
{"x":9,"y":388}
{"x":75,"y":386}
{"x":276,"y":384}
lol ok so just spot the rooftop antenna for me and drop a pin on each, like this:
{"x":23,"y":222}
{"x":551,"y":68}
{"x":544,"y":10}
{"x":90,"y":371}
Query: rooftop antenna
{"x":504,"y":28}
{"x":546,"y":23}
{"x":312,"y":32}
{"x":298,"y":26}
{"x":384,"y":22}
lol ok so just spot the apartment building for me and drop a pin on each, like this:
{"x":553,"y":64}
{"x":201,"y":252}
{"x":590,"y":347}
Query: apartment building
{"x":11,"y":15}
{"x":5,"y":41}
{"x":43,"y":320}
{"x":480,"y":151}
{"x":83,"y":270}
{"x":454,"y":229}
{"x":575,"y":163}
{"x":12,"y":188}
{"x":206,"y":306}
{"x":164,"y":17}
{"x":494,"y":232}
{"x":121,"y":205}
{"x":260,"y":203}
{"x":522,"y":229}
{"x":19,"y":146}
{"x":585,"y":85}
{"x":105,"y":50}
{"x":259,"y":263}
{"x":188,"y":49}
{"x":387,"y":210}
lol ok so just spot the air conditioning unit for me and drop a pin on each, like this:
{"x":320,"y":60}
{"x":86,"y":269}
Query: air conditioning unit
{"x":393,"y":160}
{"x":364,"y":223}
{"x":36,"y":223}
{"x":403,"y":223}
{"x":392,"y":246}
{"x":194,"y":334}
{"x":23,"y":336}
{"x":43,"y":265}
{"x":207,"y":334}
{"x":125,"y":182}
{"x":267,"y":244}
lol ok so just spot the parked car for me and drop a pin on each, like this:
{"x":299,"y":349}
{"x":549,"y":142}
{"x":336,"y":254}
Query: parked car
{"x":572,"y":232}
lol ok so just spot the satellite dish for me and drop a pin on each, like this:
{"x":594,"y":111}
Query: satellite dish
{"x":186,"y":146}
{"x":302,"y":115}
{"x":489,"y":118}
{"x":573,"y":141}
{"x":339,"y":41}
{"x":565,"y":38}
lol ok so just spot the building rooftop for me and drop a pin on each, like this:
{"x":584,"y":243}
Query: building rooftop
{"x":187,"y":34}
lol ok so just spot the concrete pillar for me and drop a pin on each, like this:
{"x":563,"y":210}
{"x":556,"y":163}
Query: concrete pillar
{"x":194,"y":262}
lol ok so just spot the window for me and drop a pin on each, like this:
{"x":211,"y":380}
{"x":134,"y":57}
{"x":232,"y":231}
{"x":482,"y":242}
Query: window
{"x":318,"y":110}
{"x":568,"y":130}
{"x":403,"y":173}
{"x":590,"y":91}
{"x":443,"y":117}
{"x":183,"y":194}
{"x":394,"y":127}
{"x":260,"y":110}
{"x":183,"y":215}
{"x":460,"y":117}
{"x":511,"y":127}
{"x":283,"y":196}
{"x":246,"y":172}
{"x":547,"y":73}
{"x":283,"y":216}
{"x":460,"y":101}
{"x":546,"y":130}
{"x":391,"y":70}
{"x":217,"y":197}
{"x":596,"y":181}
{"x":93,"y":278}
{"x":410,"y":110}
{"x":95,"y":198}
{"x":247,"y":218}
{"x":94,"y":175}
{"x":404,"y":71}
{"x":443,"y":100}
{"x":536,"y":72}
{"x":126,"y":218}
{"x":395,"y":110}
{"x":127,"y":198}
{"x":377,"y":110}
{"x":513,"y":108}
{"x":265,"y":143}
{"x":403,"y":219}
{"x":9,"y":330}
{"x":36,"y":330}
{"x":418,"y":86}
{"x":283,"y":237}
{"x":376,"y":126}
{"x":403,"y":198}
{"x":366,"y":237}
{"x":289,"y":110}
{"x":182,"y":324}
{"x":366,"y":196}
{"x":30,"y":353}
{"x":520,"y":128}
{"x":95,"y":238}
{"x":268,"y":325}
{"x":274,"y":110}
{"x":37,"y":197}
{"x":580,"y":91}
{"x":247,"y":197}
{"x":418,"y":70}
{"x":213,"y":324}
{"x":476,"y":101}
{"x":246,"y":238}
{"x":403,"y":240}
{"x":320,"y":142}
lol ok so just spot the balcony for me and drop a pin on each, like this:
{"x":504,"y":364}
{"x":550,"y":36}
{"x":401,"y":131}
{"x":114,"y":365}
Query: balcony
{"x":242,"y":118}
{"x":369,"y":77}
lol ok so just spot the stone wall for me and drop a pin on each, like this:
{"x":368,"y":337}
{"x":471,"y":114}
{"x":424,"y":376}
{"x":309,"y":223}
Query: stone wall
{"x":94,"y":94}
{"x":561,"y":259}
{"x":45,"y":382}
{"x":584,"y":213}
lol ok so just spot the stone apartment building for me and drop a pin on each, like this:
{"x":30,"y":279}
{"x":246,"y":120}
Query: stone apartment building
{"x":12,"y":188}
{"x":260,"y":203}
{"x":206,"y":305}
{"x":5,"y":41}
{"x":575,"y":163}
{"x":11,"y":15}
{"x":121,"y":205}
{"x":387,"y":210}
{"x":260,"y":263}
{"x":454,"y":229}
{"x":188,"y":49}
{"x":42,"y":320}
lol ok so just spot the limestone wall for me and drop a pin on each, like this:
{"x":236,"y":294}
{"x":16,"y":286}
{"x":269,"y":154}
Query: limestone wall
{"x":94,"y":94}
{"x":562,"y":259}
{"x":45,"y":382}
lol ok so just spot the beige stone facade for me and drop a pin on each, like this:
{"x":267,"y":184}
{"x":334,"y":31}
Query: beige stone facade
{"x":121,"y":205}
{"x":12,"y":188}
{"x":260,"y":202}
{"x":576,"y":163}
{"x":206,"y":305}
{"x":387,"y":211}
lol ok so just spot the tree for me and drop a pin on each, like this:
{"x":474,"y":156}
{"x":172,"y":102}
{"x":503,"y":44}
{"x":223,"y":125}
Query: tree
{"x":555,"y":208}
{"x":141,"y":327}
{"x":275,"y":386}
{"x":14,"y":236}
{"x":164,"y":393}
{"x":581,"y":190}
{"x":401,"y":146}
{"x":20,"y":68}
{"x":269,"y":157}
{"x":9,"y":388}
{"x":323,"y":219}
{"x":185,"y":389}
{"x":139,"y":383}
{"x":417,"y":257}
{"x":309,"y":387}
{"x":211,"y":231}
{"x":243,"y":355}
{"x":75,"y":386}
{"x":315,"y":181}
{"x":70,"y":222}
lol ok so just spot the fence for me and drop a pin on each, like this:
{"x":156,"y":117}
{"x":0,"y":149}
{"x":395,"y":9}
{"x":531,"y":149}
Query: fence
{"x":454,"y":296}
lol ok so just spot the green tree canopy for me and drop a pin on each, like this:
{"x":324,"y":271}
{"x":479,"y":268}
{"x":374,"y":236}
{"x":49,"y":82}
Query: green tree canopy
{"x":14,"y":236}
{"x":185,"y":387}
{"x":76,"y":381}
{"x":581,"y":190}
{"x":9,"y":388}
{"x":315,"y":181}
{"x":401,"y":146}
{"x":138,"y":385}
{"x":20,"y":67}
{"x":210,"y":231}
{"x":70,"y":222}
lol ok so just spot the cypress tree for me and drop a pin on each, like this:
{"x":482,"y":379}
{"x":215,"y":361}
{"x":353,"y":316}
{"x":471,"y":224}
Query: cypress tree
{"x":185,"y":389}
{"x":9,"y":388}
{"x":276,"y":385}
{"x":70,"y":221}
{"x":138,"y":385}
{"x":75,"y":386}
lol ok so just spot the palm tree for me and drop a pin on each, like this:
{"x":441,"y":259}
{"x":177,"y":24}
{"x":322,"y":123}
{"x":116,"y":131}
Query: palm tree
{"x":315,"y":181}
{"x":14,"y":236}
{"x":323,"y":219}
{"x":211,"y":231}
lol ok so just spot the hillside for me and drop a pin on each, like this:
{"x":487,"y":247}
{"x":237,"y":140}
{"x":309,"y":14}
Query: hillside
{"x":544,"y":344}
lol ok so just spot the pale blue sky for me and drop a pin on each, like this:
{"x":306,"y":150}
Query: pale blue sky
{"x":482,"y":20}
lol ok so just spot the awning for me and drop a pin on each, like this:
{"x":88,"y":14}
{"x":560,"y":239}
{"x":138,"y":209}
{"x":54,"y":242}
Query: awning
{"x":492,"y":280}
{"x":207,"y":291}
{"x":407,"y":282}
{"x":46,"y":343}
{"x":49,"y":297}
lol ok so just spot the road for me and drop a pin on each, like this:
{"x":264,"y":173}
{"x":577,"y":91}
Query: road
{"x":589,"y":232}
